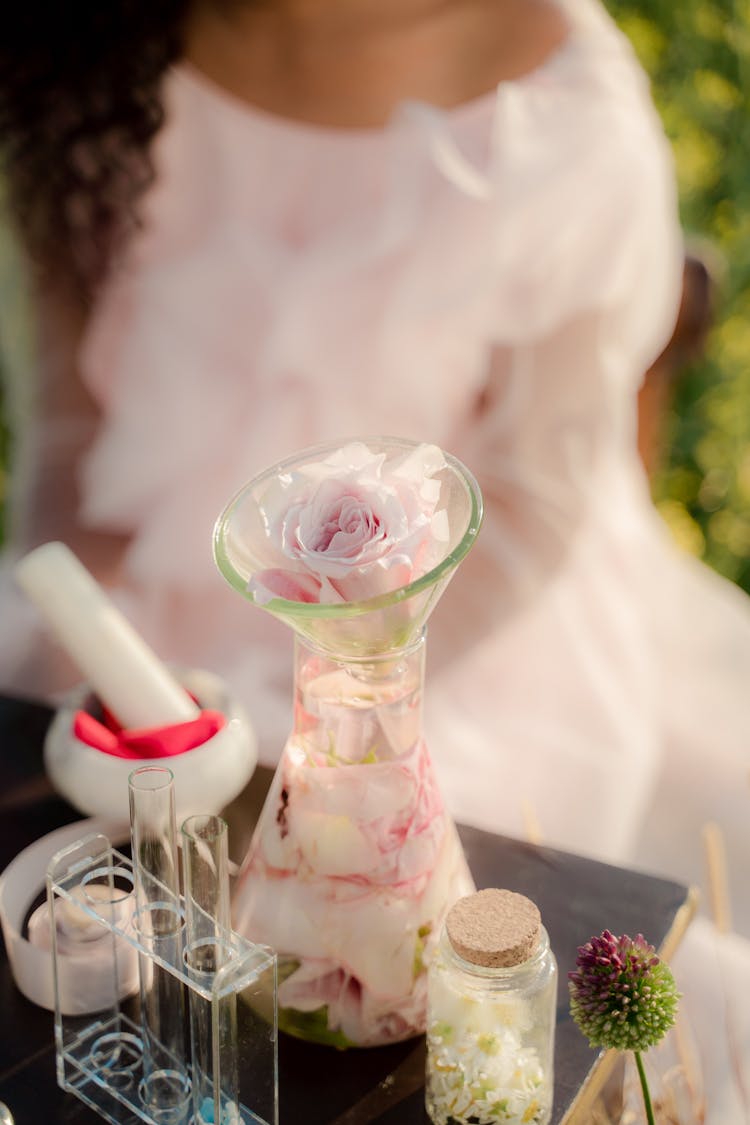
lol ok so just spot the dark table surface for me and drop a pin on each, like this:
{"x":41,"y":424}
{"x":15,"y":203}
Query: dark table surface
{"x":577,"y":897}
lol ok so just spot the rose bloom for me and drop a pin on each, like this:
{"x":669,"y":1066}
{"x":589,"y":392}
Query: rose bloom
{"x":353,"y":526}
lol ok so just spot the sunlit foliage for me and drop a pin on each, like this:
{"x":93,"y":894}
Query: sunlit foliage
{"x":697,"y":53}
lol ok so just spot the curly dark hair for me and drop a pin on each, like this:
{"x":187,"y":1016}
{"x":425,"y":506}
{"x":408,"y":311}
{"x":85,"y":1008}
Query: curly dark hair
{"x":79,"y":106}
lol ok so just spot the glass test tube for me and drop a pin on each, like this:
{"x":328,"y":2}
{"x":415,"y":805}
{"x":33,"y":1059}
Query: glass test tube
{"x":208,"y":948}
{"x":165,"y":1086}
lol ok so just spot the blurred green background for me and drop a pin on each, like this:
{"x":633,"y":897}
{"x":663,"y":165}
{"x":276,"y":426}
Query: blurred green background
{"x":697,"y":54}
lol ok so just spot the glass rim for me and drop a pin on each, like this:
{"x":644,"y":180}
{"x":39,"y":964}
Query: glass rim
{"x":195,"y":826}
{"x":164,"y":773}
{"x":343,"y":610}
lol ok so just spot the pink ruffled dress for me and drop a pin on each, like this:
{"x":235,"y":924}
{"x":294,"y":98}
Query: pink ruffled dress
{"x":495,"y":279}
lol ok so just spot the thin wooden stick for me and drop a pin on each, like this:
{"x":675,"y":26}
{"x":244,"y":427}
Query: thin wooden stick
{"x":718,"y":884}
{"x":691,"y":1069}
{"x":531,"y":822}
{"x":599,"y":1115}
{"x":719,"y":890}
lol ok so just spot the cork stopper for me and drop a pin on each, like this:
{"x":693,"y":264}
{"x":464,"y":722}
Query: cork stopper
{"x":493,"y":928}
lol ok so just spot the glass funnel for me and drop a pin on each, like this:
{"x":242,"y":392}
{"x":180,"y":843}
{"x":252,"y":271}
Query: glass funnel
{"x":249,"y":541}
{"x":355,"y":860}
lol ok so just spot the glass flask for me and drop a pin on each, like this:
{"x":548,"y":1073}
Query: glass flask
{"x":355,"y":859}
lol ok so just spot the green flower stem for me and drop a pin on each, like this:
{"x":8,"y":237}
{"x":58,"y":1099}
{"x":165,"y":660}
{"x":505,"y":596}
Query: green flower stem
{"x":644,"y":1087}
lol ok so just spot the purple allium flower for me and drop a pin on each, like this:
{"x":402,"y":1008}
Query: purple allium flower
{"x":621,"y":994}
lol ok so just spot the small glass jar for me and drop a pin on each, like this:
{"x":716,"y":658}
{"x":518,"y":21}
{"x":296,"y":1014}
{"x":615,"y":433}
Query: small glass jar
{"x":492,"y":989}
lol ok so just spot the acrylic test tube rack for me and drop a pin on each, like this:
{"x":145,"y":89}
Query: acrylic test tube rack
{"x":222,"y":1069}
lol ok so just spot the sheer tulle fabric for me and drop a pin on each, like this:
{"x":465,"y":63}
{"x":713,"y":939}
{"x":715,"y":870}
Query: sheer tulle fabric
{"x":446,"y":265}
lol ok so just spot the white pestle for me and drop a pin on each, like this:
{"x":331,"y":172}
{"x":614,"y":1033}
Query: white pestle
{"x":117,"y":663}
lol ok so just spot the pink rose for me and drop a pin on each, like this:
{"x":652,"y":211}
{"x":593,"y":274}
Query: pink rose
{"x":353,"y":526}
